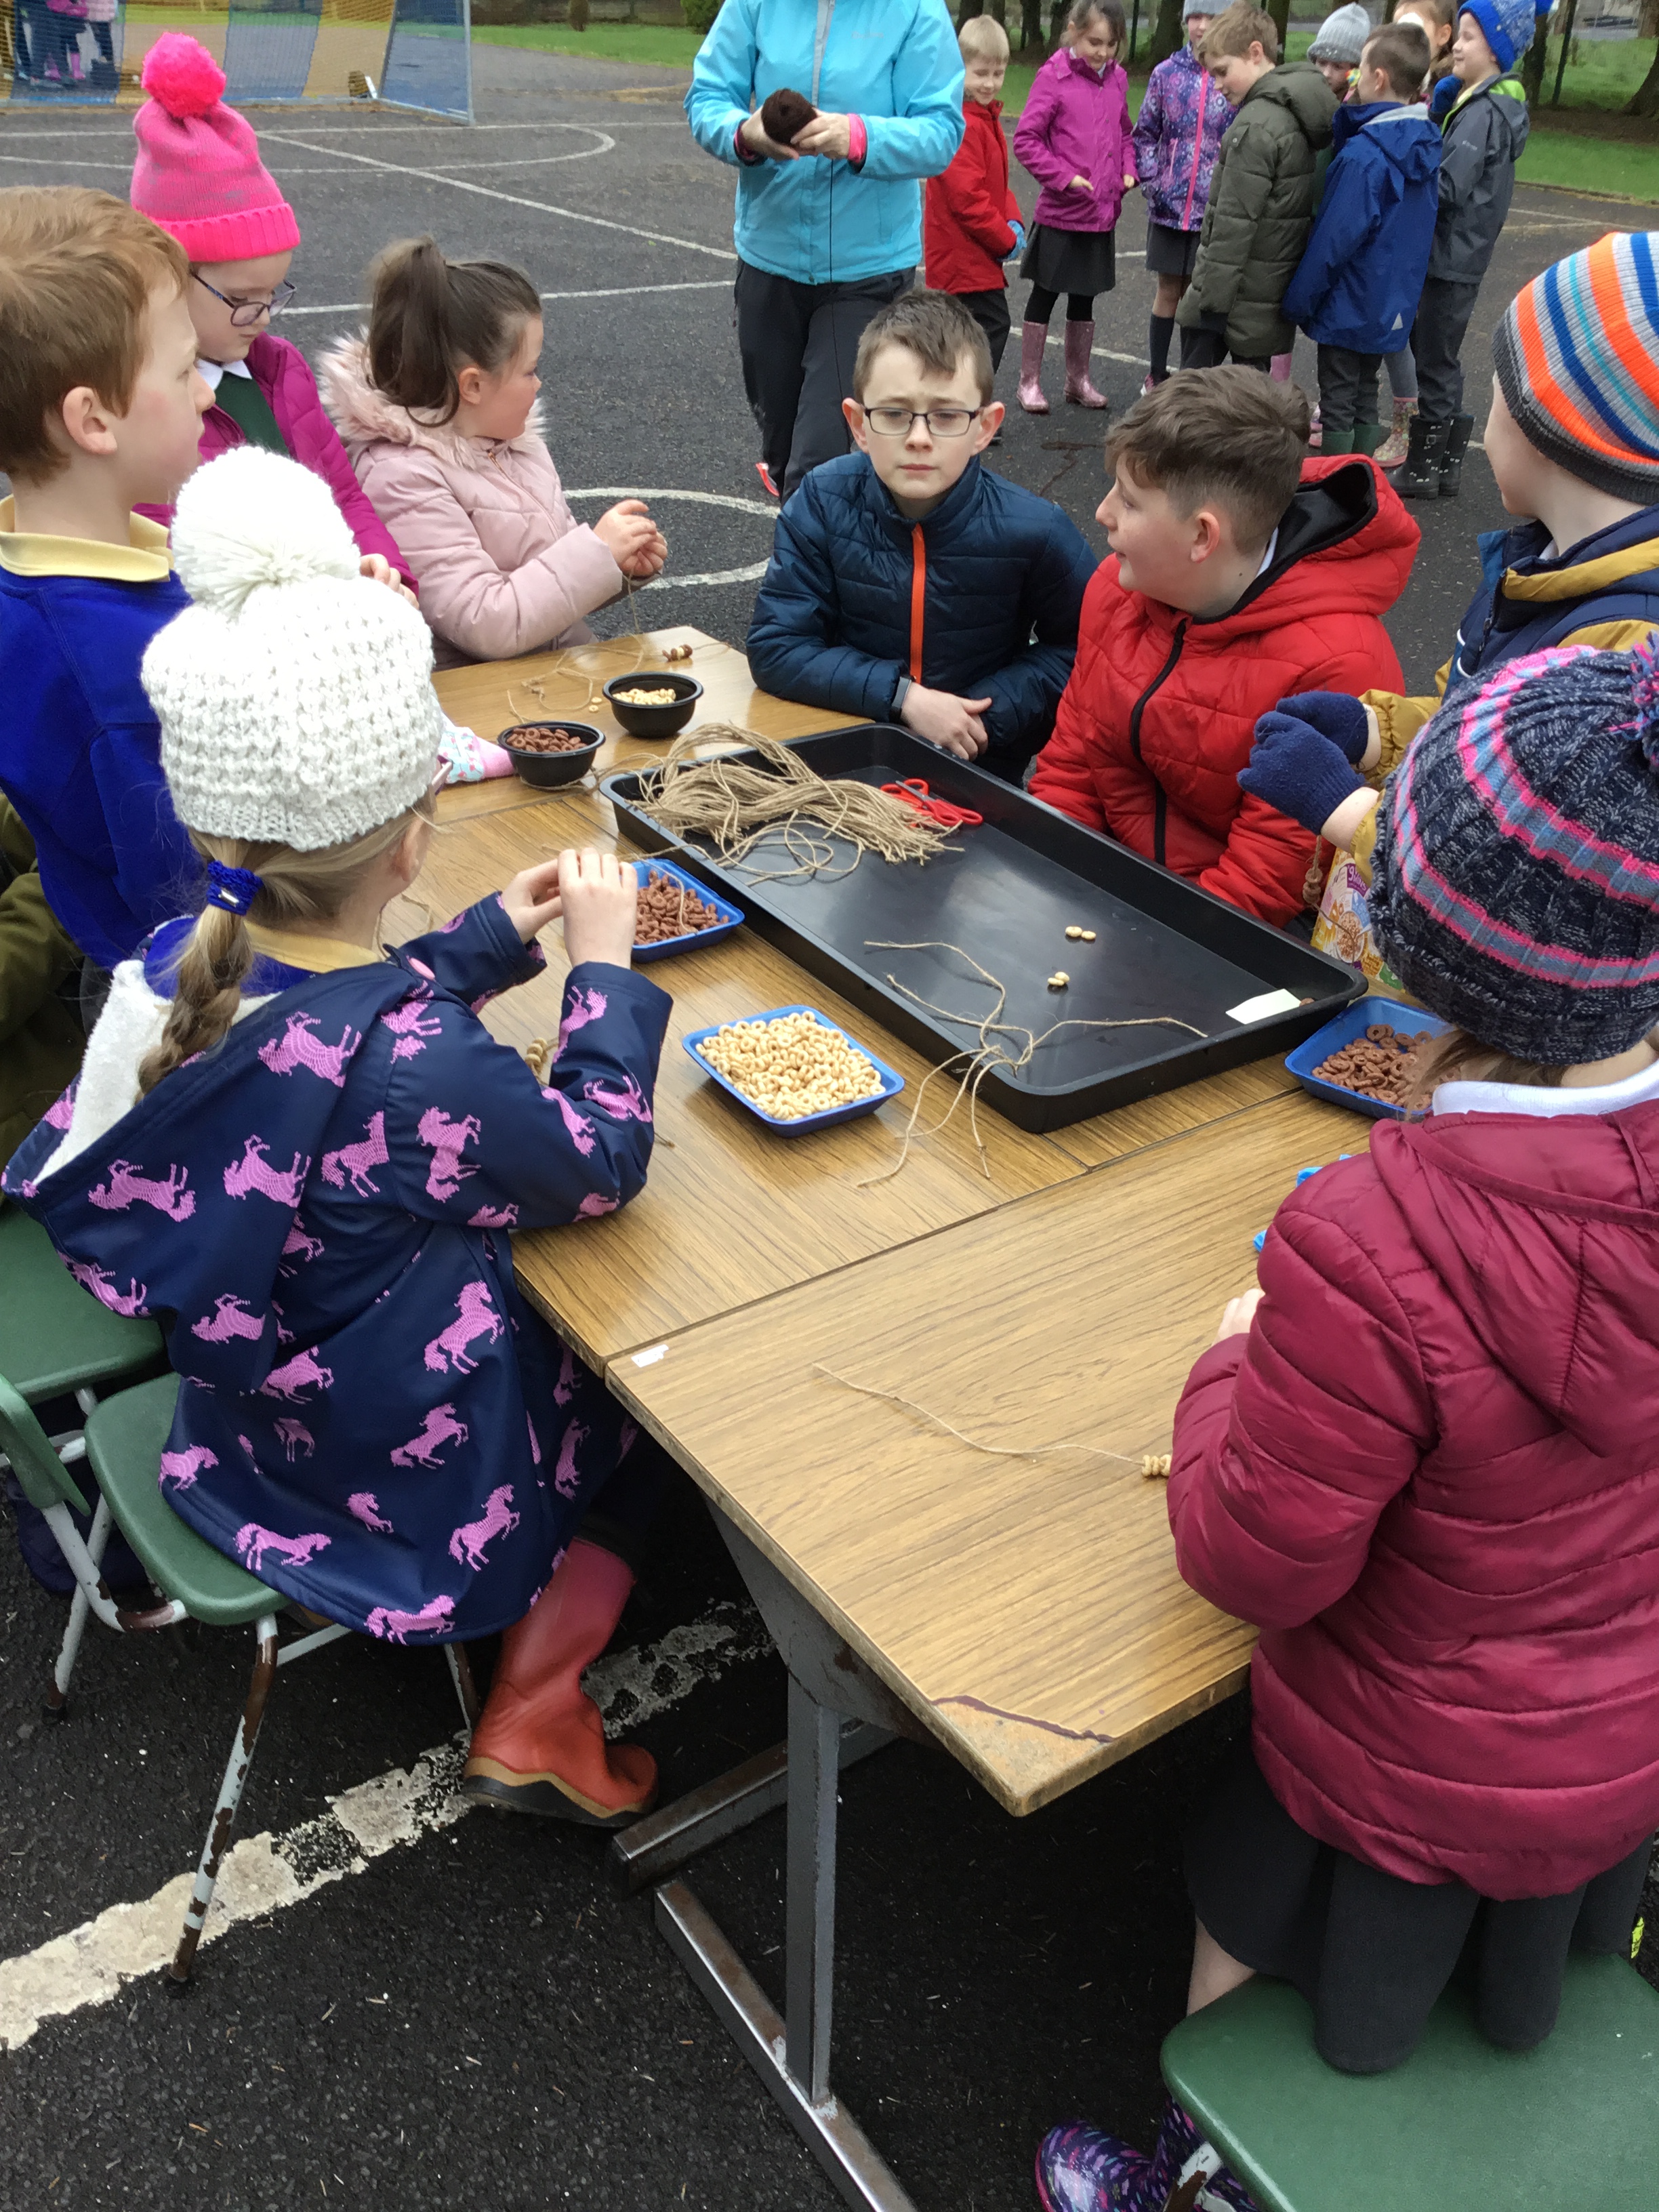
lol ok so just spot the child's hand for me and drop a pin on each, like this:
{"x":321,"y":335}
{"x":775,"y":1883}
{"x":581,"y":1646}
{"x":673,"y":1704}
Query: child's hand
{"x":1130,"y":180}
{"x":831,"y":136}
{"x":379,"y":570}
{"x":1299,"y":769}
{"x":632,"y":538}
{"x":531,"y":899}
{"x":1237,"y":1315}
{"x":755,"y":139}
{"x":951,"y":724}
{"x":1080,"y":185}
{"x":599,"y":896}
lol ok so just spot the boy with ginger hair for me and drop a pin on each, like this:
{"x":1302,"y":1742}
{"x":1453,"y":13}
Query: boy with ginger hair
{"x":1241,"y":570}
{"x":100,"y":411}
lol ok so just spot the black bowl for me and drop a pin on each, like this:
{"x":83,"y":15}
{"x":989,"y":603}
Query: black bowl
{"x":550,"y":770}
{"x":654,"y":721}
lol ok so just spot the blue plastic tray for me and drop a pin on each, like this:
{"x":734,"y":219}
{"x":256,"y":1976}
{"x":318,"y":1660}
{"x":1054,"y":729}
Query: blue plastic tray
{"x":731,"y":917}
{"x":1353,"y":1021}
{"x":891,"y":1081}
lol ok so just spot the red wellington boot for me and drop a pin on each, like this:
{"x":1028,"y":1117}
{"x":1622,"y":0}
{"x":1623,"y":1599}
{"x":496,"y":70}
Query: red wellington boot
{"x":540,"y":1745}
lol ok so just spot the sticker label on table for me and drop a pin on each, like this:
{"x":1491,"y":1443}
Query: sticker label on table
{"x":1259,"y":1008}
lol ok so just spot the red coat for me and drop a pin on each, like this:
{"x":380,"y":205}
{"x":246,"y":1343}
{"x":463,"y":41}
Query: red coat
{"x":1430,"y":1475}
{"x":1157,"y":718}
{"x":970,"y":212}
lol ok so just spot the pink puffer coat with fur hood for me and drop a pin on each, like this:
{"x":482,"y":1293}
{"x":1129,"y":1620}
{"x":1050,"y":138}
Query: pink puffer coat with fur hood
{"x":504,"y":567}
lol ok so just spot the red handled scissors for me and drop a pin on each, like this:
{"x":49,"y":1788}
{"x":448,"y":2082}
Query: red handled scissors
{"x":914,"y":792}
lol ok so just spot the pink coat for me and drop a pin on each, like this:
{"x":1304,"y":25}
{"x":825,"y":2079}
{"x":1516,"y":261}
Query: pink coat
{"x":1429,"y":1475}
{"x":1076,"y":123}
{"x":283,"y":374}
{"x":504,"y":566}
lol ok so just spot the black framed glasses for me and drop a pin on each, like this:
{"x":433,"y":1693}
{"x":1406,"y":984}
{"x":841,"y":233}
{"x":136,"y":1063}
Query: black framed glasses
{"x":942,"y":421}
{"x":244,"y":313}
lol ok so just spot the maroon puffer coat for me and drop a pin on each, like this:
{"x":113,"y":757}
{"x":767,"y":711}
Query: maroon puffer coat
{"x":1430,"y":1475}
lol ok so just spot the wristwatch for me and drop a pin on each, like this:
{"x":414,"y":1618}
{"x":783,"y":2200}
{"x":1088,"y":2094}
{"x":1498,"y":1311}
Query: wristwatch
{"x":901,"y":691}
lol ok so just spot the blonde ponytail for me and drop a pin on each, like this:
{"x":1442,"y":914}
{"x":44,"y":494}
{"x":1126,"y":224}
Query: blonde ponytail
{"x":303,"y":887}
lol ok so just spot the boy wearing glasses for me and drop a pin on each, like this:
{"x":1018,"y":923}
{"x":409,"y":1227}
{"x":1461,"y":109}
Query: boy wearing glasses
{"x":198,"y":175}
{"x":906,"y":583}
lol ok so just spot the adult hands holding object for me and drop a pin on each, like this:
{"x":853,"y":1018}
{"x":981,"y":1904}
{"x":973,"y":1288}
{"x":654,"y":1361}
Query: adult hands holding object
{"x":754,"y":136}
{"x":830,"y":135}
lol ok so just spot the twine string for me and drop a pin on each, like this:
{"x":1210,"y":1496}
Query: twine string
{"x":1153,"y":1465}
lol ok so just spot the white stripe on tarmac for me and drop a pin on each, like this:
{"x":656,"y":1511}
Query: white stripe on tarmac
{"x":610,"y":292}
{"x":513,"y":199}
{"x":266,"y":1873}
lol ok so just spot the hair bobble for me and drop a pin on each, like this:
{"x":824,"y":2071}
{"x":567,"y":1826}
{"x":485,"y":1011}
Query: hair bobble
{"x":233,"y":888}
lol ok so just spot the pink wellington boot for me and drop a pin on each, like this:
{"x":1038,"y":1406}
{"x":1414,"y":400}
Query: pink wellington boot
{"x":1033,"y":337}
{"x":1079,"y":337}
{"x":540,"y":1745}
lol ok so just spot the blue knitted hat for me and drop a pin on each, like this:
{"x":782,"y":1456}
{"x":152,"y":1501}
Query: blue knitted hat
{"x":1516,"y":878}
{"x":1507,"y":26}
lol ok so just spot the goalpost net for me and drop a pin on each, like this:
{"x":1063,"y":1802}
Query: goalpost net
{"x":407,"y":54}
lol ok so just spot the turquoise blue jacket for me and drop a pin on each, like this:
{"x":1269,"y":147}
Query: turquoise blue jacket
{"x":893,"y":62}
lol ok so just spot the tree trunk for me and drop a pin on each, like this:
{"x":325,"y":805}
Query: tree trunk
{"x":1280,"y":12}
{"x":1644,"y":100}
{"x":969,"y":8}
{"x":1057,"y":15}
{"x":1532,"y":69}
{"x":1168,"y":31}
{"x":1030,"y":26}
{"x":1648,"y":28}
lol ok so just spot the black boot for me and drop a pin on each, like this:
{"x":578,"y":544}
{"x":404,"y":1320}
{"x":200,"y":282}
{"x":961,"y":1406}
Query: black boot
{"x":1457,"y":444}
{"x":1417,"y":476}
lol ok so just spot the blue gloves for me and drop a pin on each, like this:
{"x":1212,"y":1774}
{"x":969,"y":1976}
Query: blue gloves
{"x":1335,"y":715}
{"x":1018,"y":247}
{"x":1295,"y":767}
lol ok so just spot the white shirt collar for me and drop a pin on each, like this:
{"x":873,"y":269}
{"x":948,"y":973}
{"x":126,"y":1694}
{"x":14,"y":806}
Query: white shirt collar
{"x":1546,"y":1104}
{"x":1267,"y":557}
{"x":212,"y":371}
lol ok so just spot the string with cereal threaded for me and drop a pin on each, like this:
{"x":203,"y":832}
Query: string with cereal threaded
{"x":1154,"y":1466}
{"x":731,"y":805}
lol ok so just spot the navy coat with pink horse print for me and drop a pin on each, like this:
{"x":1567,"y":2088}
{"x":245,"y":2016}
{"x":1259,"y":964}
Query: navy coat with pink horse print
{"x":371,"y":1421}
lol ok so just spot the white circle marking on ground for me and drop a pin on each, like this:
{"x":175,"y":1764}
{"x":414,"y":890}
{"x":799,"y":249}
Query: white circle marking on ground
{"x":751,"y":574}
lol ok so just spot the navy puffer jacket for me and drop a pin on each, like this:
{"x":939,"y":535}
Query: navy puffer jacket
{"x":981,"y":599}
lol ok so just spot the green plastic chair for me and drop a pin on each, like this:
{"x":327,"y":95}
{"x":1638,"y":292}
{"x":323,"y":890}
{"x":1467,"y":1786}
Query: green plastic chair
{"x":1461,"y":2124}
{"x":55,"y":1338}
{"x":123,"y":1442}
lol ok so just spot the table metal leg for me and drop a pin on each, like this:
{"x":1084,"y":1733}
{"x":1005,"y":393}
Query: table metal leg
{"x":793,"y":2058}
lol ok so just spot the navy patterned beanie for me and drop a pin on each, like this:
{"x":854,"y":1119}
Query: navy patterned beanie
{"x":1516,"y":875}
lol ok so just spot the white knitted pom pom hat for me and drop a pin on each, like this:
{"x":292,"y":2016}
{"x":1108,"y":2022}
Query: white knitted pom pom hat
{"x":294,"y":696}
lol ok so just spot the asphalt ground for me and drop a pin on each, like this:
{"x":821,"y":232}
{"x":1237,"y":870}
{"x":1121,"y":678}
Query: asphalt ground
{"x":467,"y":2015}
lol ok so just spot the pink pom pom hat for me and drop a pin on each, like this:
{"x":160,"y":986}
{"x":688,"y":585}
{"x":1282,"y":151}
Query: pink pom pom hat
{"x":197,"y":172}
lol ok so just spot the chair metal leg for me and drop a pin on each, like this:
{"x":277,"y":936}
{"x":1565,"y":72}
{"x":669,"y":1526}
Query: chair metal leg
{"x":57,"y":1690}
{"x":461,"y":1674}
{"x":224,"y":1812}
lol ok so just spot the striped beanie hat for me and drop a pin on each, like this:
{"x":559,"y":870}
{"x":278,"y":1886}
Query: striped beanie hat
{"x":1515,"y":876}
{"x":1578,"y":361}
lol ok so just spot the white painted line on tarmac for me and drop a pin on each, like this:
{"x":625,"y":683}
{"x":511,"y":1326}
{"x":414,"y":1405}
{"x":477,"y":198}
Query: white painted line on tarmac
{"x":512,"y":199}
{"x":609,"y":292}
{"x":265,"y":1875}
{"x":711,"y":578}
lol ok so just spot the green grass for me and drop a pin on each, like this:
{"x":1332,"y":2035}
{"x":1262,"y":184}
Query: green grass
{"x":1604,"y":77}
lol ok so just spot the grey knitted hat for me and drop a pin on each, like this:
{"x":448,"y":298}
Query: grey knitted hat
{"x":1342,"y":36}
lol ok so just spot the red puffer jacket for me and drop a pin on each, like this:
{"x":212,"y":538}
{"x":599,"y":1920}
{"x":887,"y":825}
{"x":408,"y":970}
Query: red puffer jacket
{"x":1157,"y":719}
{"x":970,"y":213}
{"x":1430,"y":1475}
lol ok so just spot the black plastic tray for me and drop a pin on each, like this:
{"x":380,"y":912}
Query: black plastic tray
{"x":1162,"y":946}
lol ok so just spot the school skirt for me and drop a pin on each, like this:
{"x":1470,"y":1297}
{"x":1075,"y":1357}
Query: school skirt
{"x":1372,"y":1953}
{"x":1080,"y":261}
{"x":1171,"y":252}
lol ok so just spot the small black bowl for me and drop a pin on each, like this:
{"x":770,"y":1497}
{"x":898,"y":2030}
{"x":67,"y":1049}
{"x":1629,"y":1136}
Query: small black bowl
{"x":550,"y":770}
{"x":654,"y":721}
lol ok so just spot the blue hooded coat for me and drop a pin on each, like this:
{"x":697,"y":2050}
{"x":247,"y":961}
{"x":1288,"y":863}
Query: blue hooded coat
{"x":981,"y":599}
{"x":893,"y":63}
{"x":316,"y":1212}
{"x":1361,"y":275}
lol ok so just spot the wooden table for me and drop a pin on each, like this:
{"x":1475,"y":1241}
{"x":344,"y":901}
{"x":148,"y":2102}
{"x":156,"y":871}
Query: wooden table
{"x":1022,"y":1610}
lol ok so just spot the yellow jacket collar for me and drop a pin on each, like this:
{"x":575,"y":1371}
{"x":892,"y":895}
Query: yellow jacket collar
{"x":317,"y":956}
{"x":143,"y":560}
{"x":1583,"y":577}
